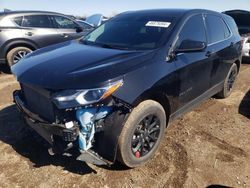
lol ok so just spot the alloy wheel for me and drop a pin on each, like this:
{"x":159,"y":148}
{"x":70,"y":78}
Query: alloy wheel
{"x":145,"y":136}
{"x":19,"y":55}
{"x":231,"y":79}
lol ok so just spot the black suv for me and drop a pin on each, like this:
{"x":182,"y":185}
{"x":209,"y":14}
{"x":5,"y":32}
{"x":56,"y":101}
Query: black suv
{"x":111,"y":94}
{"x":22,"y":32}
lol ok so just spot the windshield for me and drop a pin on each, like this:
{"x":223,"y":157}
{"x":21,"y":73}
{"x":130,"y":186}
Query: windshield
{"x":138,"y":33}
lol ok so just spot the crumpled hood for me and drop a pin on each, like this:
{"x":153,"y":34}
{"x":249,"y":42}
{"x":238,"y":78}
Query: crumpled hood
{"x":73,"y":65}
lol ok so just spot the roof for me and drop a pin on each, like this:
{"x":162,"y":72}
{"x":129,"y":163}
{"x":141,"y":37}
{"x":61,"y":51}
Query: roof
{"x":27,"y":12}
{"x":167,"y":12}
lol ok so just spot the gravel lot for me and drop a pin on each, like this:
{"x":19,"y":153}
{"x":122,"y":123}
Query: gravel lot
{"x":206,"y":147}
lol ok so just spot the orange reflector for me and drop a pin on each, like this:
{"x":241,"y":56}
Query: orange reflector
{"x":111,"y":90}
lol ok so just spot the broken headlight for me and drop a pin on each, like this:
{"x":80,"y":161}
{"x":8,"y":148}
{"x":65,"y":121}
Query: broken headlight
{"x":73,"y":98}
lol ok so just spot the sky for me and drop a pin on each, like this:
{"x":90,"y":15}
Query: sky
{"x":110,"y":7}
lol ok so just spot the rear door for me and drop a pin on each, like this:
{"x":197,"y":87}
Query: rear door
{"x":193,"y":67}
{"x":220,"y":48}
{"x":40,"y":30}
{"x":67,"y":28}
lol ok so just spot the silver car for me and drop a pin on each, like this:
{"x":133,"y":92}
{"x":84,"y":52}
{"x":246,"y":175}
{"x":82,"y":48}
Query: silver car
{"x":21,"y":32}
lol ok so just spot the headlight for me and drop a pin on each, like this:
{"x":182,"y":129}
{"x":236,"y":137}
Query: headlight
{"x":74,"y":98}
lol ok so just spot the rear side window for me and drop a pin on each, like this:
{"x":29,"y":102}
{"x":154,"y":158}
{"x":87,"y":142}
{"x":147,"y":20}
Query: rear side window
{"x":226,"y":30}
{"x":18,"y":20}
{"x":193,"y":30}
{"x":232,"y":25}
{"x":216,"y":28}
{"x":39,"y":21}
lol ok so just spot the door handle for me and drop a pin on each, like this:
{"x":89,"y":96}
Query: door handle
{"x":64,"y":35}
{"x":209,"y":53}
{"x":29,"y":33}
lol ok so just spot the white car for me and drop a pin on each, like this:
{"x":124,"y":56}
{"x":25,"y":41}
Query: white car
{"x":246,"y":46}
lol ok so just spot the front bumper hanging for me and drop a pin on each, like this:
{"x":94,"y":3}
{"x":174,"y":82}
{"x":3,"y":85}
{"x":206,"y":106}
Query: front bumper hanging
{"x":46,"y":130}
{"x":106,"y":141}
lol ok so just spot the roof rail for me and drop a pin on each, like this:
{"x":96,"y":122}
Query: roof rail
{"x":6,"y":10}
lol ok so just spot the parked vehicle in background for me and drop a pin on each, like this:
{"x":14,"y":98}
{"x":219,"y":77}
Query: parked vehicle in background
{"x":96,"y":20}
{"x":87,"y":27}
{"x":92,"y":22}
{"x":111,"y":94}
{"x":242,"y":19}
{"x":22,"y":32}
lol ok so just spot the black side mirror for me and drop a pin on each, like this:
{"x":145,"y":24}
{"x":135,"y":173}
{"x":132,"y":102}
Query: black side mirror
{"x":79,"y":29}
{"x":191,"y":46}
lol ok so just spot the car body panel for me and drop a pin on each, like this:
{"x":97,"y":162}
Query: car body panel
{"x":73,"y":74}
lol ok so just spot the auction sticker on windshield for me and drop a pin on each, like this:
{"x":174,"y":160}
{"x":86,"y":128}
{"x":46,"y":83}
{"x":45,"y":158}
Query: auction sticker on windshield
{"x":158,"y":24}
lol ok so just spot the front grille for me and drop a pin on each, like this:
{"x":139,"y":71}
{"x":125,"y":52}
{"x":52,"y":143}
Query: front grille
{"x":38,"y":102}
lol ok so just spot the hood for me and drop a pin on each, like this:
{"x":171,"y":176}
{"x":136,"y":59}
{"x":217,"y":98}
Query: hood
{"x":95,"y":20}
{"x":73,"y":65}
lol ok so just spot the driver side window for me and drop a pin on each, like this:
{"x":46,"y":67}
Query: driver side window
{"x":64,"y":23}
{"x":193,"y":30}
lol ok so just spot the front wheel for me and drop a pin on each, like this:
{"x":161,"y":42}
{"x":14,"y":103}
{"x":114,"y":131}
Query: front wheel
{"x":16,"y":54}
{"x":142,"y":134}
{"x":229,"y":82}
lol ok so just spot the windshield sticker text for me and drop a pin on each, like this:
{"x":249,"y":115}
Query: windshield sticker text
{"x":158,"y":24}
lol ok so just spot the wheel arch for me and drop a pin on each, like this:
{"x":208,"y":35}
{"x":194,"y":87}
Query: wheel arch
{"x":159,"y":97}
{"x":238,"y":63}
{"x":18,"y":43}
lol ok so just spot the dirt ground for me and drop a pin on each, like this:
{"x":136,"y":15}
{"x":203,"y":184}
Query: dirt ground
{"x":206,"y":147}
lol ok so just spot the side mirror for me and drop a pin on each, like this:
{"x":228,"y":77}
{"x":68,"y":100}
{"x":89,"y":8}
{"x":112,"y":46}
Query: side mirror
{"x":191,"y":46}
{"x":79,"y":29}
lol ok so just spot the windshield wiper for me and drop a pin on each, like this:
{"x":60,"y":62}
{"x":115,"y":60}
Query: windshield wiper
{"x":103,"y":45}
{"x":112,"y":46}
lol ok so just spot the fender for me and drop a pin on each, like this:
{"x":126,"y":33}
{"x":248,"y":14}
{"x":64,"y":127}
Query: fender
{"x":15,"y":42}
{"x":107,"y":140}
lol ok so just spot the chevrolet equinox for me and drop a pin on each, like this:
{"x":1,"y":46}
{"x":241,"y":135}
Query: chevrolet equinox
{"x":110,"y":95}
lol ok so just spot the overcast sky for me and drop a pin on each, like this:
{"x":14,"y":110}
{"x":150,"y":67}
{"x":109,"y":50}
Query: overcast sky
{"x":109,"y":7}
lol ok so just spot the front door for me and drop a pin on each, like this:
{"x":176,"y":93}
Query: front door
{"x":193,"y":68}
{"x":67,"y":28}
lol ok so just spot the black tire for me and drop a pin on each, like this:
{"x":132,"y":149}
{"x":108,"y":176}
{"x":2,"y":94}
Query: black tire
{"x":147,"y":113}
{"x":15,"y":53}
{"x":229,"y":82}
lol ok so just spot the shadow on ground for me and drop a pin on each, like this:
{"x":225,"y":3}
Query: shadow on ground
{"x":244,"y":108}
{"x":245,"y":60}
{"x":217,"y":186}
{"x":29,"y":144}
{"x":4,"y":69}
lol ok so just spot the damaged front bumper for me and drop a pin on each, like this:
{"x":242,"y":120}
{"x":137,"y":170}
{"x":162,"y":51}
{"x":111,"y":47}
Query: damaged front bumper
{"x":46,"y":130}
{"x":100,"y":147}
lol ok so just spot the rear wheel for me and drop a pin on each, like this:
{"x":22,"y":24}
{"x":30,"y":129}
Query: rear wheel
{"x":229,"y":82}
{"x":142,"y":134}
{"x":16,"y":54}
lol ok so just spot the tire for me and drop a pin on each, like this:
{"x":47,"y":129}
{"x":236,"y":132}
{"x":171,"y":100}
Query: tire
{"x":15,"y":53}
{"x":130,"y":154}
{"x":229,"y":82}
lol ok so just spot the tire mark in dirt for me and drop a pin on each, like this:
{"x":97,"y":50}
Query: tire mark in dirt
{"x":225,"y":157}
{"x":223,"y":145}
{"x":180,"y":162}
